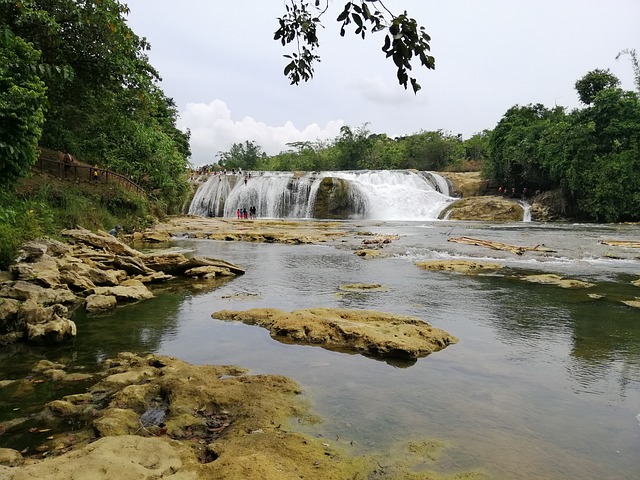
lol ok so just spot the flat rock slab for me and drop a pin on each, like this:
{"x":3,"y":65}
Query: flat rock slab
{"x":550,"y":279}
{"x":459,"y":266}
{"x":367,"y":332}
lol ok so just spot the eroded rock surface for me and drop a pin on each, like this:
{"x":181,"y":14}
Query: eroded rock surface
{"x":361,"y":331}
{"x":459,"y":266}
{"x":96,"y":270}
{"x":486,"y":208}
{"x":159,"y":417}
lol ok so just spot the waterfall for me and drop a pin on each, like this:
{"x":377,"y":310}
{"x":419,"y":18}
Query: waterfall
{"x":367,"y":194}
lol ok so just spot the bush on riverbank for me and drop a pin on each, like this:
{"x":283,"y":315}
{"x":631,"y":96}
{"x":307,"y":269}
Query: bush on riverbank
{"x":43,"y":205}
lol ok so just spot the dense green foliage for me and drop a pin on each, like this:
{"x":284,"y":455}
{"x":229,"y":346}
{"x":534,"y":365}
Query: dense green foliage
{"x":592,"y":154}
{"x":22,"y":106}
{"x":359,"y":149}
{"x":104,"y":103}
{"x":43,"y":205}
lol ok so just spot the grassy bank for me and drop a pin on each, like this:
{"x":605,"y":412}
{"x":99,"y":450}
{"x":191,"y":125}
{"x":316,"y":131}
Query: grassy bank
{"x":43,"y":205}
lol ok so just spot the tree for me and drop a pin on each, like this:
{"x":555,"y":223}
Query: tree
{"x":241,"y":155}
{"x":353,"y":148}
{"x":602,"y":156}
{"x":404,"y":38}
{"x":515,"y":146}
{"x":634,"y":63}
{"x":593,"y":83}
{"x":430,"y":150}
{"x":22,"y":107}
{"x":104,"y":102}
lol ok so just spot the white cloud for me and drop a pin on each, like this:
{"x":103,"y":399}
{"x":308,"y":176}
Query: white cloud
{"x":384,"y":93}
{"x":213,"y":130}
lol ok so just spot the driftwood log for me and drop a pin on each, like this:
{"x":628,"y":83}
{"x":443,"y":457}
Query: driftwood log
{"x":517,"y":249}
{"x":621,"y":243}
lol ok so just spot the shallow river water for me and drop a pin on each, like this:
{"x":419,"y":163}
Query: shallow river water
{"x":544,"y":382}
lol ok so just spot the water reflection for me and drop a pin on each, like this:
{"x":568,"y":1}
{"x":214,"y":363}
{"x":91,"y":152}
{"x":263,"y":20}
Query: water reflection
{"x":544,"y":383}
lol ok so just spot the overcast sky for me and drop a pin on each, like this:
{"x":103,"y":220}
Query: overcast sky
{"x":220,"y":64}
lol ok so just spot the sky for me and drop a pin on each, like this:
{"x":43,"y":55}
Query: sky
{"x":219,"y":63}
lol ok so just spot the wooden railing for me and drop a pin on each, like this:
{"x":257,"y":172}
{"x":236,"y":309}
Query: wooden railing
{"x":66,"y":167}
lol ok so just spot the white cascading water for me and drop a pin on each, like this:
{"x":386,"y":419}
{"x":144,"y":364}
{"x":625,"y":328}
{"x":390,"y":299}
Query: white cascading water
{"x":376,"y":194}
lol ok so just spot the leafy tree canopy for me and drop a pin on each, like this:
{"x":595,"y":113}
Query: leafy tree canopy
{"x":593,"y":83}
{"x":404,"y":40}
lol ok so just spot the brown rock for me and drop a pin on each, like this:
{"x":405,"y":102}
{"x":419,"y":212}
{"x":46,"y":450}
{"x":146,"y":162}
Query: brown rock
{"x":550,"y":279}
{"x":22,"y":290}
{"x":8,"y":309}
{"x":43,"y":272}
{"x":100,"y":303}
{"x":101,"y":240}
{"x":363,"y":331}
{"x":129,"y":290}
{"x":487,"y":208}
{"x":467,"y":184}
{"x":10,"y":457}
{"x":459,"y":266}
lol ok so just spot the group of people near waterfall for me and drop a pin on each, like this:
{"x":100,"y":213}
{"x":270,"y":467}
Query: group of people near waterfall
{"x":250,"y":214}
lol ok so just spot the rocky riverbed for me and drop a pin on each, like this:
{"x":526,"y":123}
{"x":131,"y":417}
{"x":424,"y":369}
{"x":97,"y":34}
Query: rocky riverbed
{"x":149,"y":417}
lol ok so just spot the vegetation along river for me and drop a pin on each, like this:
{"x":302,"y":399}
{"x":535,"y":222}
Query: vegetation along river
{"x":543,"y":383}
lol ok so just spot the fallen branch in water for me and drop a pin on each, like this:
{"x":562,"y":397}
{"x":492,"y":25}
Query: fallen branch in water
{"x":518,"y":250}
{"x":621,"y":243}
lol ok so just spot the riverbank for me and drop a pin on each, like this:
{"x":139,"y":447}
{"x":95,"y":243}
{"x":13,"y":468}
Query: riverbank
{"x":156,"y":417}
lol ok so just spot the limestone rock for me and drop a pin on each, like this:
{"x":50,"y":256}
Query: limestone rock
{"x":486,"y":208}
{"x":459,"y":266}
{"x":467,"y":184}
{"x":8,"y":310}
{"x":43,"y":272}
{"x":117,"y":421}
{"x":363,"y":331}
{"x":101,"y":240}
{"x":111,"y":458}
{"x":155,"y":236}
{"x":99,"y":303}
{"x":632,"y":303}
{"x":177,"y":263}
{"x":22,"y":290}
{"x":10,"y":457}
{"x":45,"y":325}
{"x":550,"y":279}
{"x":369,"y":253}
{"x":55,"y":331}
{"x":130,"y":290}
{"x":44,"y":365}
{"x":207,"y":272}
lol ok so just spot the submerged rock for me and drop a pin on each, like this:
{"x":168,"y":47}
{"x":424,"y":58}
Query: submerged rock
{"x":460,"y":266}
{"x":368,"y":332}
{"x":183,"y":421}
{"x":550,"y":279}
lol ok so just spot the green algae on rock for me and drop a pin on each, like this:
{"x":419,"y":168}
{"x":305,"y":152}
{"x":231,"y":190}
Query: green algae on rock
{"x":371,"y":333}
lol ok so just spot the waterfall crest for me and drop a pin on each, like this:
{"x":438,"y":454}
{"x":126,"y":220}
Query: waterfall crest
{"x":366,"y":194}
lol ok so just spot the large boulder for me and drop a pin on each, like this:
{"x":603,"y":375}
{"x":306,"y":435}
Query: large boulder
{"x":127,"y":291}
{"x":100,"y":240}
{"x":487,"y":208}
{"x":46,"y":325}
{"x":21,"y":290}
{"x":336,"y":199}
{"x":44,"y":271}
{"x":466,"y":184}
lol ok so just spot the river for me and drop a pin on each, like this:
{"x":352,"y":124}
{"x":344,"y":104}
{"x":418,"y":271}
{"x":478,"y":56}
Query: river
{"x":544,"y":382}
